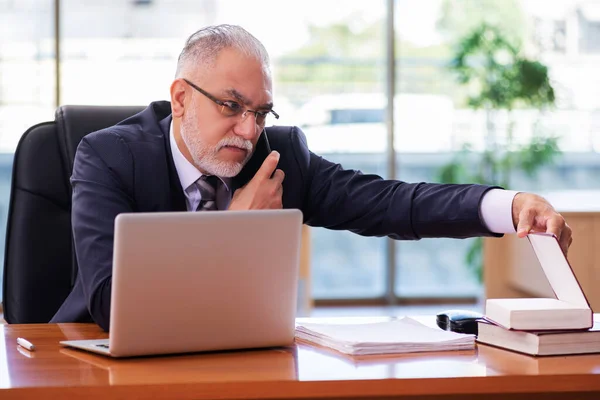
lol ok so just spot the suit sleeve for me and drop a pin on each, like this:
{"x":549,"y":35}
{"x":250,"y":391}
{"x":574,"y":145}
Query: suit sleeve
{"x":99,"y":194}
{"x":343,"y":199}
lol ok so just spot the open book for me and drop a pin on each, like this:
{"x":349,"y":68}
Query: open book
{"x":542,"y":343}
{"x":405,"y":335}
{"x":569,"y":310}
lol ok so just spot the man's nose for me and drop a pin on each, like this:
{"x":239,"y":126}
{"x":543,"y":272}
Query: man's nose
{"x":246,"y":126}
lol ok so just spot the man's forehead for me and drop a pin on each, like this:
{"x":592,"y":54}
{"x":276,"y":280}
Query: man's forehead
{"x":238,"y":76}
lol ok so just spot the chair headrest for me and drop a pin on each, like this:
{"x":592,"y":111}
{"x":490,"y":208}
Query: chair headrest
{"x":74,"y":122}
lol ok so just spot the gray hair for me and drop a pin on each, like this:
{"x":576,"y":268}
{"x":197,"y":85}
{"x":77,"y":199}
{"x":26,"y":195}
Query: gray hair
{"x":203,"y":46}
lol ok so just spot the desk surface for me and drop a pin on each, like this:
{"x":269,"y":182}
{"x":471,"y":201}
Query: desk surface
{"x":301,"y":371}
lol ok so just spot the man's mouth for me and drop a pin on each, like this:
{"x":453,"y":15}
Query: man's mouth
{"x":234,"y":148}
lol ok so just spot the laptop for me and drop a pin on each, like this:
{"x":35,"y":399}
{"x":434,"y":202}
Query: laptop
{"x":205,"y":281}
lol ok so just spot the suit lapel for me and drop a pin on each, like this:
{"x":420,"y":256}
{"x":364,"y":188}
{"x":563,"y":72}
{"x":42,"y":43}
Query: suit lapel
{"x":177,"y":196}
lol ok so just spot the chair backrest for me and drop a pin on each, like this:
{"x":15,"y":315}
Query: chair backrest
{"x":39,"y":263}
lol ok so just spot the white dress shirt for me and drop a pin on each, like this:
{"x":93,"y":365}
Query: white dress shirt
{"x":496,"y":205}
{"x":496,"y":210}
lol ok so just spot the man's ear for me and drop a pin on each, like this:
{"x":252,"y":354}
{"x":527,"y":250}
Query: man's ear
{"x":178,"y":93}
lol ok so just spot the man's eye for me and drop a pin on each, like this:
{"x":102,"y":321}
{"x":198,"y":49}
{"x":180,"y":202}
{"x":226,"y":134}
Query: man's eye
{"x":233,"y":106}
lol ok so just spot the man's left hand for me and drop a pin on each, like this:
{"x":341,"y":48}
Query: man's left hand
{"x":533,"y":213}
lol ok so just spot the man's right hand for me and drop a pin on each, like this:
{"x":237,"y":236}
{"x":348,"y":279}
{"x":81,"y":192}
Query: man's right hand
{"x":263,"y":191}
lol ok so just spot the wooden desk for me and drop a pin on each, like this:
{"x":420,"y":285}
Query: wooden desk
{"x":299,"y":372}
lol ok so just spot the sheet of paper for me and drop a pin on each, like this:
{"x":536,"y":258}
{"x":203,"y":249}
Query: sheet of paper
{"x":395,"y":336}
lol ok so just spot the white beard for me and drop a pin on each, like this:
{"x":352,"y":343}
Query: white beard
{"x":206,"y":158}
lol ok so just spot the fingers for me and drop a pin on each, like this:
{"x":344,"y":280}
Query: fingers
{"x":532,"y":213}
{"x":565,"y":238}
{"x":265,"y":189}
{"x":555,"y":225}
{"x":526,"y":217}
{"x":278,"y":176}
{"x":268,"y":166}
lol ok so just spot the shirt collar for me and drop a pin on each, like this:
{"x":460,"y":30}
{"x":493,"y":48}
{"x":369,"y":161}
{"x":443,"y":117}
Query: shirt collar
{"x":186,"y":171}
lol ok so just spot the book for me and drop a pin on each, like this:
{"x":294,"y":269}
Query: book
{"x":542,"y":343}
{"x":569,"y":310}
{"x":537,"y":314}
{"x":499,"y":361}
{"x":405,"y":335}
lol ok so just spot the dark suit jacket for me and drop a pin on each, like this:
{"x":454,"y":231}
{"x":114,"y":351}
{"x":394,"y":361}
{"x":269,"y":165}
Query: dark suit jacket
{"x":129,"y":168}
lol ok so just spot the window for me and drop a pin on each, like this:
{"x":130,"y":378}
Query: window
{"x":357,"y":116}
{"x":588,"y":16}
{"x":329,"y":69}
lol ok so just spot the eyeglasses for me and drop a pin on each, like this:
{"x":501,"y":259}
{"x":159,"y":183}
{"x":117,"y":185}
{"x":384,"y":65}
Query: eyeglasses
{"x":231,"y":108}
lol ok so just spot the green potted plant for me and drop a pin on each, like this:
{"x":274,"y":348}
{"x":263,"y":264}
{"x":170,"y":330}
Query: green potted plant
{"x":499,"y":79}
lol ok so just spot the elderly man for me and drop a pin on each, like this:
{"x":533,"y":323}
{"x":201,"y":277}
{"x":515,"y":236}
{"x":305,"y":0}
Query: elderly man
{"x":208,"y":149}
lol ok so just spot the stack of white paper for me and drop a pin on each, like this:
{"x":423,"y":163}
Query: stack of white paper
{"x":405,"y":335}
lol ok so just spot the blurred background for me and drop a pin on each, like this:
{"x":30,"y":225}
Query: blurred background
{"x":494,"y":91}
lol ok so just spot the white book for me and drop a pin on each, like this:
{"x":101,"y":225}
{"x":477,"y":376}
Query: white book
{"x":405,"y":335}
{"x":569,"y":310}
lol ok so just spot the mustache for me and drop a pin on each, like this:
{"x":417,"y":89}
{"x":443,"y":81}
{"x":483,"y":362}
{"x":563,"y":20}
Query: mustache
{"x":235,"y":141}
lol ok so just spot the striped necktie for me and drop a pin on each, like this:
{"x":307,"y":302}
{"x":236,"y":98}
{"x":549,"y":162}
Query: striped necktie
{"x":208,"y":191}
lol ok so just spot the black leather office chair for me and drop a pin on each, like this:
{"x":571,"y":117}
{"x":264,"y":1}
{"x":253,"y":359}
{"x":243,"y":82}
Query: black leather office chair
{"x":39,"y":263}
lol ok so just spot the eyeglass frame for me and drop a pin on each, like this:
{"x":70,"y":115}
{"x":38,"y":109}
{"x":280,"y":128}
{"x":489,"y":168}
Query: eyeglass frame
{"x":223,"y":105}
